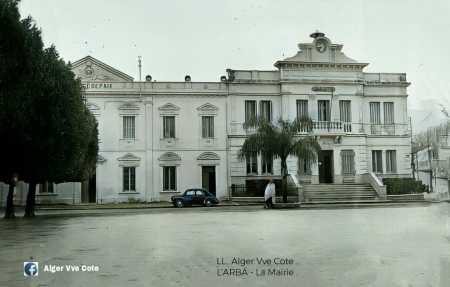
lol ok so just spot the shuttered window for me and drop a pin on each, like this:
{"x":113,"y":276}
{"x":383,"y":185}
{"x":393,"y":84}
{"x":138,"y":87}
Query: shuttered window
{"x":128,"y":127}
{"x":252,"y":163}
{"x":302,"y":109}
{"x":304,"y":166}
{"x":345,"y":113}
{"x":169,"y":178}
{"x":388,"y":113}
{"x":375,"y":113}
{"x":324,"y":110}
{"x":129,"y":179}
{"x":377,"y":161}
{"x":169,"y":127}
{"x":267,"y":164}
{"x":391,"y":161}
{"x":265,"y":109}
{"x":207,"y":126}
{"x":348,"y":162}
{"x":250,"y":111}
{"x":375,"y":119}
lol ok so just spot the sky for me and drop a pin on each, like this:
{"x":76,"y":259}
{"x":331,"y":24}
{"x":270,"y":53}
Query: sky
{"x":203,"y":38}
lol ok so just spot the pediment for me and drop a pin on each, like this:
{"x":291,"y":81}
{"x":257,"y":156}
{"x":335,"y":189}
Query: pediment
{"x":129,"y":107}
{"x":169,"y":107}
{"x":92,"y":107}
{"x":129,"y":157}
{"x":207,"y":108}
{"x":320,"y":51}
{"x":100,"y":159}
{"x":169,"y":156}
{"x":89,"y":69}
{"x":208,"y":156}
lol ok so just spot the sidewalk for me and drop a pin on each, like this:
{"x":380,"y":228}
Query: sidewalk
{"x":90,"y":206}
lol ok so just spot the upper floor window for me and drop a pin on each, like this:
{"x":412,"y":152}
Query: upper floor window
{"x":388,"y":113}
{"x":129,"y":178}
{"x":129,"y":127}
{"x":169,"y":127}
{"x":375,"y":113}
{"x":207,"y":126}
{"x":345,"y":114}
{"x":265,"y":110}
{"x":252,"y":163}
{"x":377,"y":161}
{"x":323,"y":107}
{"x":302,"y":109}
{"x":250,"y":111}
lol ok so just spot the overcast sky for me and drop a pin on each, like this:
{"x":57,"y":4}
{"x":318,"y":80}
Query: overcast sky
{"x":204,"y":37}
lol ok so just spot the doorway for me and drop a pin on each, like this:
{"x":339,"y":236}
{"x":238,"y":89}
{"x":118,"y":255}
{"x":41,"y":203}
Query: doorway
{"x":326,"y":166}
{"x":209,"y":178}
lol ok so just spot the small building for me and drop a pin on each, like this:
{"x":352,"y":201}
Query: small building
{"x":433,"y":168}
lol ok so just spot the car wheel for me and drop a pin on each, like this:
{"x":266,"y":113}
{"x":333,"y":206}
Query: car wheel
{"x":208,"y":202}
{"x":179,"y":203}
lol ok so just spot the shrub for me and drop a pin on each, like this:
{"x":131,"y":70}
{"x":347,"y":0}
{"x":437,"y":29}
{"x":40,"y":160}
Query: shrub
{"x":404,"y":186}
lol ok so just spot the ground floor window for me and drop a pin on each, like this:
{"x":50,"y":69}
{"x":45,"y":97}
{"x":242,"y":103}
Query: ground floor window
{"x":377,"y":161}
{"x":169,"y":178}
{"x":252,"y":163}
{"x":348,"y":162}
{"x":267,"y":164}
{"x":46,"y":187}
{"x":129,"y":179}
{"x":391,"y":161}
{"x":304,"y":166}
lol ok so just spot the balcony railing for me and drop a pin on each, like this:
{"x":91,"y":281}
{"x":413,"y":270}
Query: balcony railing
{"x":338,"y":127}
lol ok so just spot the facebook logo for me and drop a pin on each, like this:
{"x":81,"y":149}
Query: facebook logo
{"x":30,"y":269}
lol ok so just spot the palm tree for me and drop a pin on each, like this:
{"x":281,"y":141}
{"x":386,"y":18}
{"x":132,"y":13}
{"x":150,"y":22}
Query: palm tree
{"x":280,"y":141}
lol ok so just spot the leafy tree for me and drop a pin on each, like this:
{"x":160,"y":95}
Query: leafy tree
{"x":280,"y":141}
{"x":47,"y":132}
{"x":20,"y":46}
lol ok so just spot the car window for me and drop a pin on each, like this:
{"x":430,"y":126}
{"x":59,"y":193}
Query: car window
{"x":189,"y":192}
{"x":199,"y":193}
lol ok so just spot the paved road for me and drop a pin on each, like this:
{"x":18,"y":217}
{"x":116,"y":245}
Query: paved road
{"x":396,"y":246}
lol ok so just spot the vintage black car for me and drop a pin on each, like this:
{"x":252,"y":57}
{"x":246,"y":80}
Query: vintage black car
{"x":194,"y":196}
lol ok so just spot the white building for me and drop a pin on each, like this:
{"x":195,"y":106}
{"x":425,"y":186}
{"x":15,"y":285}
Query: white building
{"x":433,"y":168}
{"x":160,"y":138}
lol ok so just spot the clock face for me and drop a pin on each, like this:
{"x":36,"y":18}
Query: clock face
{"x":321,"y":45}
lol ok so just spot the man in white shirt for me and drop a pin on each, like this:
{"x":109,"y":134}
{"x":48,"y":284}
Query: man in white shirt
{"x":268,"y":194}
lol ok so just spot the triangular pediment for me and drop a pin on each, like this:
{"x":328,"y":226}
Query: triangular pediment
{"x":169,"y":156}
{"x":169,"y":107}
{"x":89,"y":69}
{"x":129,"y":107}
{"x":318,"y":52}
{"x":207,"y":108}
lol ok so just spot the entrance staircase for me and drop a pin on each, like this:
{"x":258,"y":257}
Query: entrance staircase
{"x":332,"y":193}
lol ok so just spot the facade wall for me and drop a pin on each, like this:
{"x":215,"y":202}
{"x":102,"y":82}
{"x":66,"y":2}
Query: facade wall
{"x":312,"y":74}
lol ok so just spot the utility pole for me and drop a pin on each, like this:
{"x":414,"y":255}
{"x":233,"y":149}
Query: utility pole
{"x":412,"y":153}
{"x":429,"y":160}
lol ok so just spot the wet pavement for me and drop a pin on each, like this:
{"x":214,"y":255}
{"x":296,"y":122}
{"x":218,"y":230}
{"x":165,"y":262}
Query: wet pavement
{"x":394,"y":246}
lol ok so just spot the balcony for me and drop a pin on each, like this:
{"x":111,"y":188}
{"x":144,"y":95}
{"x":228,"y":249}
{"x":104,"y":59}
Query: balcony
{"x":338,"y":128}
